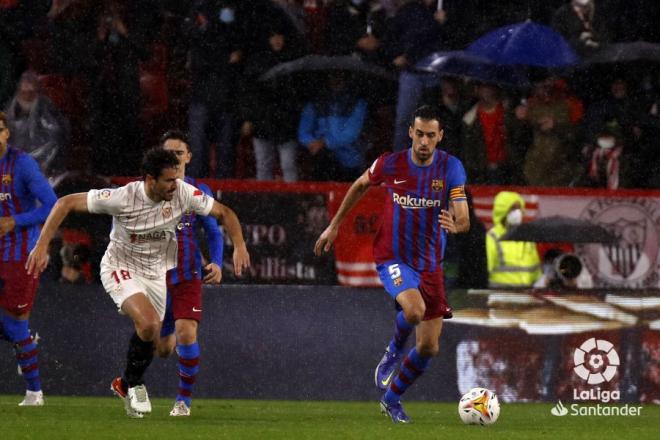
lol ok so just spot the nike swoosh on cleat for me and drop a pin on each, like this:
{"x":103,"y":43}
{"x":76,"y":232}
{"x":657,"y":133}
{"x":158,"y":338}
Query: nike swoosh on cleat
{"x":396,"y":182}
{"x":385,"y":382}
{"x":196,"y":309}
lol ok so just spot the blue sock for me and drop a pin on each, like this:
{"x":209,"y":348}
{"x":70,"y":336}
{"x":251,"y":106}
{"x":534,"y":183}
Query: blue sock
{"x":411,"y":368}
{"x":18,"y":332}
{"x":402,"y":330}
{"x":188,"y":368}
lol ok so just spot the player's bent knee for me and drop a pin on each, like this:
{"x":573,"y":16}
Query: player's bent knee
{"x":148,"y":330}
{"x":187,"y":338}
{"x":414,"y":315}
{"x":186,"y":331}
{"x":165,"y":347}
{"x":428,"y":350}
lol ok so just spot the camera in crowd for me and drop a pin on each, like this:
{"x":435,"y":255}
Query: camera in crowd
{"x":563,"y":270}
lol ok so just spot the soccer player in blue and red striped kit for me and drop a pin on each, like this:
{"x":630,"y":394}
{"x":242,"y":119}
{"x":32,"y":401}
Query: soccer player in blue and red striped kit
{"x":22,"y":185}
{"x":425,"y":201}
{"x":184,"y":283}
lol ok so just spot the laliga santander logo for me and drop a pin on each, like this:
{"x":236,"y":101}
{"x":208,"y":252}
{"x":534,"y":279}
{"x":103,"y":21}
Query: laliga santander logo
{"x":596,"y":361}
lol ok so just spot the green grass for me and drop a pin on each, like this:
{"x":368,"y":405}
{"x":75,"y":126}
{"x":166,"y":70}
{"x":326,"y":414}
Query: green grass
{"x":103,"y":418}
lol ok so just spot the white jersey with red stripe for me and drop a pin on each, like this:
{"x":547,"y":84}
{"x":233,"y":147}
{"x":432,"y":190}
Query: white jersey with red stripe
{"x":143,"y":236}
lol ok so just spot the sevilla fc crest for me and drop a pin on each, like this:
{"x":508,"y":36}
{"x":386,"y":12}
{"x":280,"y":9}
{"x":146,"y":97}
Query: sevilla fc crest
{"x":167,"y":212}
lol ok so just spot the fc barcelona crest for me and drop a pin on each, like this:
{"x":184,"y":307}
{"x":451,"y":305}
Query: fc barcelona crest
{"x":6,"y":179}
{"x":437,"y":184}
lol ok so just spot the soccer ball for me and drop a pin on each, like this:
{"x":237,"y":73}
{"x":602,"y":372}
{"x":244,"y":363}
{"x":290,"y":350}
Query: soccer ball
{"x":479,"y":406}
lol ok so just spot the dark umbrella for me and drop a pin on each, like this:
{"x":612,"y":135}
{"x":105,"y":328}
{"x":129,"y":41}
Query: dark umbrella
{"x":465,"y":65}
{"x":321,"y":63}
{"x":559,"y":229}
{"x":626,"y":52}
{"x":527,"y":44}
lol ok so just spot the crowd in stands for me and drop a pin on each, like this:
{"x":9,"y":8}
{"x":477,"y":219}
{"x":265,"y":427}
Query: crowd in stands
{"x":88,"y":85}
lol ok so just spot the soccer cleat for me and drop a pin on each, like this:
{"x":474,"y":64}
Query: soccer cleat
{"x":180,"y":409}
{"x":33,"y":398}
{"x":386,"y":369}
{"x":138,"y":399}
{"x":118,"y":391}
{"x":395,"y":411}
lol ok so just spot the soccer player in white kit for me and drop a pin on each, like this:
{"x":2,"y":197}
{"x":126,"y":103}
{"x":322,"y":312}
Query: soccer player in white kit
{"x":143,"y":247}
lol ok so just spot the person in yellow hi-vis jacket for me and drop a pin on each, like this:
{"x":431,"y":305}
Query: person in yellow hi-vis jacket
{"x":510,"y":263}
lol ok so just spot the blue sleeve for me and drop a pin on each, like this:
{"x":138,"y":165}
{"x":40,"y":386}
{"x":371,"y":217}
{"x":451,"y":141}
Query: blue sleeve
{"x":347,"y":131}
{"x":213,"y":232}
{"x":39,"y":188}
{"x":456,"y":180}
{"x":306,"y":126}
{"x":456,"y":175}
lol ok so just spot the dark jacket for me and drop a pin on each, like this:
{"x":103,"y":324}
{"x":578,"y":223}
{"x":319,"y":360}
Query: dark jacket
{"x":347,"y":23}
{"x":414,"y":32}
{"x":272,"y":107}
{"x":473,"y":146}
{"x":568,"y":24}
{"x":211,"y":42}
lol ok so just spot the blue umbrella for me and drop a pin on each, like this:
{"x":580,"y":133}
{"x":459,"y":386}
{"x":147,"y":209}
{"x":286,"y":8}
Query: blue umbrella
{"x":528,"y":44}
{"x":465,"y":65}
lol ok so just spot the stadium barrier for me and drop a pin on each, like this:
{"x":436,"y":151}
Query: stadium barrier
{"x":323,"y":343}
{"x":283,"y":220}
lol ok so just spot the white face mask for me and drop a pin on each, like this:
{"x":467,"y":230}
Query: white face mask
{"x":514,"y":218}
{"x":606,"y":142}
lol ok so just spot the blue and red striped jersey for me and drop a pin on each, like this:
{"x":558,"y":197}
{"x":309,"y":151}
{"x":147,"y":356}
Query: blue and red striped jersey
{"x":23,"y":185}
{"x":189,"y":256}
{"x":410,"y":231}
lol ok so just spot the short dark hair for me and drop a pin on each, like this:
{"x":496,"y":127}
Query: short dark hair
{"x":3,"y":118}
{"x":426,"y":113}
{"x":156,"y":160}
{"x":176,"y":135}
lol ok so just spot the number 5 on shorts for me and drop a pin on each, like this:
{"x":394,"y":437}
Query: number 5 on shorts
{"x":394,"y":271}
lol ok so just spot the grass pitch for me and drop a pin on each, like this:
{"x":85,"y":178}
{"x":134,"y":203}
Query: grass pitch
{"x":104,"y":418}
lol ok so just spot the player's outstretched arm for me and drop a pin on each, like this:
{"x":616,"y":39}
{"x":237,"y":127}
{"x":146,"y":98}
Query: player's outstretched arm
{"x":354,"y":194}
{"x":38,"y":258}
{"x":231,"y":224}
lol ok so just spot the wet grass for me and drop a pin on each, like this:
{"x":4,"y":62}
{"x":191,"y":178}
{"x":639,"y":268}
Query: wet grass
{"x":104,"y":418}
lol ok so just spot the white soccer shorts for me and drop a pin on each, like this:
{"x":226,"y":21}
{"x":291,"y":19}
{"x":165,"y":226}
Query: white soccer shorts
{"x":121,"y":284}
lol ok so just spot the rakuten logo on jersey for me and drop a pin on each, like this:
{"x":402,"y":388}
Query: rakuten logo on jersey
{"x":5,"y":197}
{"x":151,"y":236}
{"x":409,"y":202}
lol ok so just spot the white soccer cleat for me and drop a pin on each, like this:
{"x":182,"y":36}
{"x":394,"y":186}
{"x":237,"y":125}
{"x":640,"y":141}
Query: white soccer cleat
{"x":118,"y":391}
{"x":180,"y":409}
{"x":138,"y":399}
{"x":33,"y":398}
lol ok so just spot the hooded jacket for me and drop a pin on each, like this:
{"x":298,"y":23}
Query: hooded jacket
{"x":510,"y":263}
